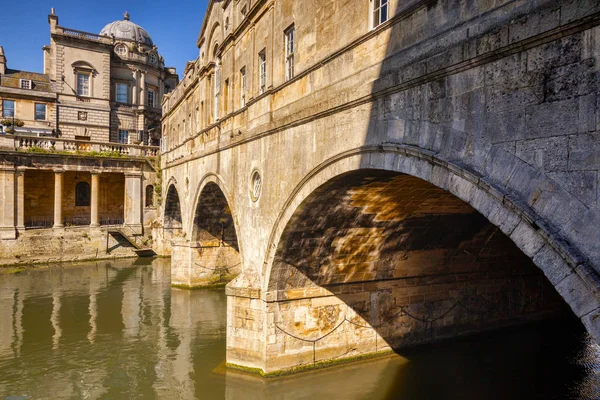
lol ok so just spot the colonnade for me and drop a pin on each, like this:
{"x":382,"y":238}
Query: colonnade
{"x":12,"y":201}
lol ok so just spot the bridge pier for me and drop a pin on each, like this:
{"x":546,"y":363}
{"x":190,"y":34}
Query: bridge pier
{"x":198,"y":264}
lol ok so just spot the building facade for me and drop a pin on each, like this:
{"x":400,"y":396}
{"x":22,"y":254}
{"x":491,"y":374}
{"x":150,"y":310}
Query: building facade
{"x":82,"y":151}
{"x":379,"y":174}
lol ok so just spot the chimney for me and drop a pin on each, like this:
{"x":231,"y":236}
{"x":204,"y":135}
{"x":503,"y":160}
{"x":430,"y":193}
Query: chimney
{"x":2,"y":61}
{"x":52,"y":20}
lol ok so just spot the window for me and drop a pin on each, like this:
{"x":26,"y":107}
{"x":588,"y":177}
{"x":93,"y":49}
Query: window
{"x":243,"y":87}
{"x":201,"y":116}
{"x":262,"y":70}
{"x":244,"y":11}
{"x":83,"y":84}
{"x":82,"y":194}
{"x":151,"y":98}
{"x":25,"y":83}
{"x":217,"y":90}
{"x":121,"y":93}
{"x":123,"y":136}
{"x":225,"y":97}
{"x":149,"y":196}
{"x":152,"y":58}
{"x":8,"y":108}
{"x":40,"y":111}
{"x":289,"y":53}
{"x":380,"y":12}
{"x":121,"y":49}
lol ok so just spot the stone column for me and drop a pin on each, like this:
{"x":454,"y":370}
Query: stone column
{"x":161,"y":92}
{"x":95,"y":220}
{"x":134,"y":89}
{"x":21,"y":200}
{"x":143,"y":89}
{"x":7,"y":203}
{"x":58,"y":192}
{"x":133,"y":201}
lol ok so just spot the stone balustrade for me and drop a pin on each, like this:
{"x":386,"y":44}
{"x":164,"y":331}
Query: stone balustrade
{"x":58,"y":145}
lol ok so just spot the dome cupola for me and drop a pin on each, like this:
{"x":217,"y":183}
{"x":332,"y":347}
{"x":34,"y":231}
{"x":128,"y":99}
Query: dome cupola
{"x":127,"y":30}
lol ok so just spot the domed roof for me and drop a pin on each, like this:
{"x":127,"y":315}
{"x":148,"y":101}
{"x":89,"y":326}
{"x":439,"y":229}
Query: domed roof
{"x":125,"y":29}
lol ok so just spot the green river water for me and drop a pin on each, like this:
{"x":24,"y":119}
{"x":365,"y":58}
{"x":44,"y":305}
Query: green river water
{"x":117,"y":330}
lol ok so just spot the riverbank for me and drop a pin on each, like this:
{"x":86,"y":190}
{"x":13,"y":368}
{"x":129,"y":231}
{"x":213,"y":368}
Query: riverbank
{"x":70,"y":244}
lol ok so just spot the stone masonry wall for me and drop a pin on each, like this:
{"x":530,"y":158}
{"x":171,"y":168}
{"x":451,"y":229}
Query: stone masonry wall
{"x":69,"y":244}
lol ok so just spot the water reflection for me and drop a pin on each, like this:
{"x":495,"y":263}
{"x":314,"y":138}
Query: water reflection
{"x":118,"y":330}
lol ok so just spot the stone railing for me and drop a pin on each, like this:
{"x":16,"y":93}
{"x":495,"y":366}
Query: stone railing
{"x":51,"y":145}
{"x":79,"y":34}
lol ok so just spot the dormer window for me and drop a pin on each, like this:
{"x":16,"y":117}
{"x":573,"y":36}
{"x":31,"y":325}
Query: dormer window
{"x":25,"y":84}
{"x":121,"y":49}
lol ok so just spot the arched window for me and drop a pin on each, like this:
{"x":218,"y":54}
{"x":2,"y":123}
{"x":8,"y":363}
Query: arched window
{"x":121,"y":49}
{"x":82,"y":194}
{"x":149,"y":196}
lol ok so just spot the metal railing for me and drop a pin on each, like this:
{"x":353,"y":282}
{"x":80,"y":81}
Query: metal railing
{"x":48,"y":222}
{"x":36,"y":144}
{"x":39,"y":223}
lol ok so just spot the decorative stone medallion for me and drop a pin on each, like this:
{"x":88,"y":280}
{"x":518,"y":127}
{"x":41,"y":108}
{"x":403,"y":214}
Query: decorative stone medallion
{"x":82,"y":115}
{"x":255,"y":185}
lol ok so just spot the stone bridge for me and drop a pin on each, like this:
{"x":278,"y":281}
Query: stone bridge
{"x":422,"y":177}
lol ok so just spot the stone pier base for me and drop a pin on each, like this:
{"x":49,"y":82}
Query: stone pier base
{"x":195,"y":265}
{"x":281,"y":332}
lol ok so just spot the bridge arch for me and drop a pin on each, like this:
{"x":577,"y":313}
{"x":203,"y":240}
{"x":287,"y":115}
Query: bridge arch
{"x":215,"y":250}
{"x":576,"y":281}
{"x":173,"y":218}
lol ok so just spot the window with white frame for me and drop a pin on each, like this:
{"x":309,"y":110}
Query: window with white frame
{"x":243,"y":87}
{"x":217,"y":90}
{"x":8,"y":108}
{"x":123,"y":136}
{"x":83,"y":84}
{"x":380,"y":12}
{"x":121,"y":49}
{"x":25,"y":83}
{"x":121,"y":93}
{"x":289,"y":53}
{"x":262,"y":71}
{"x":40,"y":111}
{"x":151,"y":95}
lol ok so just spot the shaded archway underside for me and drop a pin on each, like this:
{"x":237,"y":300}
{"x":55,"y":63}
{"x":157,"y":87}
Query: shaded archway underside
{"x":374,"y":260}
{"x":212,"y":257}
{"x":172,"y":218}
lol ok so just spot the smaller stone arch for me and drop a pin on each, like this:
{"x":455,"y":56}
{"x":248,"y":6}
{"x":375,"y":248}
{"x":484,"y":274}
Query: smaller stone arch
{"x":213,"y":254}
{"x":172,"y":213}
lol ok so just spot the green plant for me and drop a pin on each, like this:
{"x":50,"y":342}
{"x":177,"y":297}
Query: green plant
{"x":158,"y":184}
{"x":9,"y":122}
{"x":36,"y":149}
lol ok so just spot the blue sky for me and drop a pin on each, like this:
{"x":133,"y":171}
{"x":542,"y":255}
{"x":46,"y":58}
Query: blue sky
{"x":174,"y":27}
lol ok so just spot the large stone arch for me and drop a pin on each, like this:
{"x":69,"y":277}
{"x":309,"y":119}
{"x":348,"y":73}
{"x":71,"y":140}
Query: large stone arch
{"x":566,"y":267}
